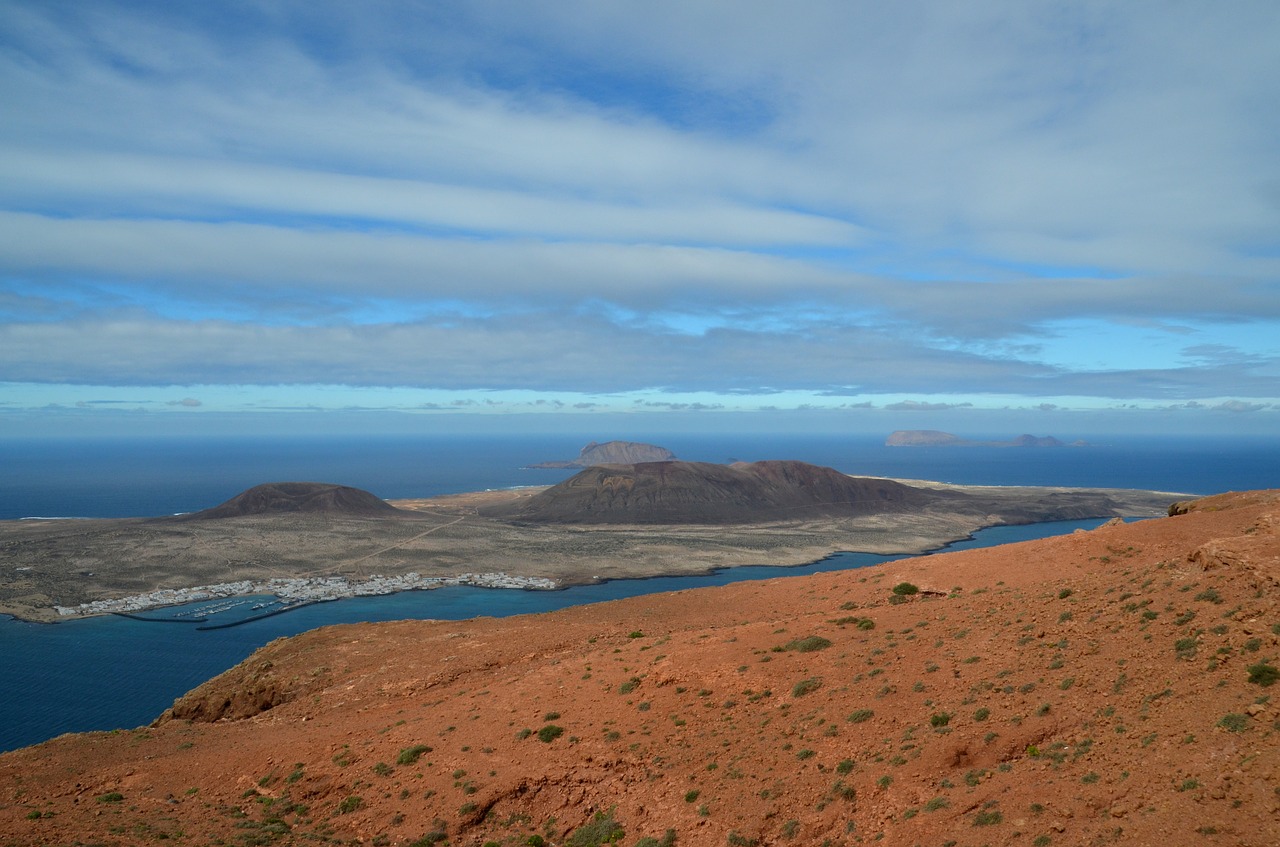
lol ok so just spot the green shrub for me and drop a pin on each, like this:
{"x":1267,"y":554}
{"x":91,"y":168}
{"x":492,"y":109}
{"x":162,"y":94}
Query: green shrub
{"x":806,"y":686}
{"x":550,"y":733}
{"x":845,"y":767}
{"x":1233,"y":722}
{"x":987,"y":818}
{"x":860,"y":715}
{"x":808,"y":644}
{"x":1065,"y":593}
{"x":940,"y":719}
{"x":410,"y":755}
{"x":667,"y":840}
{"x":111,"y":797}
{"x":982,"y":714}
{"x":905,"y":589}
{"x":691,"y":796}
{"x":349,"y":805}
{"x":601,"y":829}
{"x":1263,"y":674}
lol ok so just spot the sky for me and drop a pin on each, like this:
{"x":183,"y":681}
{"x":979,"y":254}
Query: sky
{"x":850,"y":216}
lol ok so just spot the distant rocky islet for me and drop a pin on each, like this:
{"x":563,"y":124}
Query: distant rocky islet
{"x":938,"y":438}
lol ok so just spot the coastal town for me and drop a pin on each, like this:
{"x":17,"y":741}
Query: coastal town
{"x":300,"y":591}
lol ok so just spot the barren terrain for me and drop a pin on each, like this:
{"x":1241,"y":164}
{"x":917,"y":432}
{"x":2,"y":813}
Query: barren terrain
{"x":69,"y":562}
{"x":1112,"y":686}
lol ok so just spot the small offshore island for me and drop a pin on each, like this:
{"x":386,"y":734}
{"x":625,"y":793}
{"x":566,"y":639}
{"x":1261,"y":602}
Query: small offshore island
{"x":310,"y":542}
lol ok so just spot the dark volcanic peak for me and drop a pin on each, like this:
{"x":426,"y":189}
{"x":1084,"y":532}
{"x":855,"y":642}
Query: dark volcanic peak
{"x":699,"y":492}
{"x":275,"y":498}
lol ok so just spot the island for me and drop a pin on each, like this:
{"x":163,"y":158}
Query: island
{"x":937,"y":438}
{"x":612,"y":453}
{"x":310,"y":541}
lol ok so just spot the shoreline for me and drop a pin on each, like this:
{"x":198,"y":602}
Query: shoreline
{"x":298,"y":593}
{"x":295,"y":592}
{"x":71,"y":569}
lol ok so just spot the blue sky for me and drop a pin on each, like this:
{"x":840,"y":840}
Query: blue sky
{"x":985,"y":216}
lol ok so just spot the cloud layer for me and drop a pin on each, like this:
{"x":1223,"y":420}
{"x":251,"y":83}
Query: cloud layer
{"x":1021,"y":201}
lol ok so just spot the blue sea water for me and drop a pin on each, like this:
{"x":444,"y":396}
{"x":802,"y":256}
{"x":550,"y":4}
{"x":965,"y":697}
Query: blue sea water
{"x":112,"y":672}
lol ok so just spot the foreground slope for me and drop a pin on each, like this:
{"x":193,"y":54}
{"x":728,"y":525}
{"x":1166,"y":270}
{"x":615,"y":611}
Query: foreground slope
{"x":1110,"y":686}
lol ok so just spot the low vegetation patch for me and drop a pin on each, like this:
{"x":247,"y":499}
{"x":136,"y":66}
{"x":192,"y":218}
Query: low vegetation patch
{"x":806,"y":686}
{"x":808,"y":644}
{"x":550,"y":733}
{"x":1233,"y":722}
{"x":601,"y":829}
{"x":410,"y":755}
{"x":1263,"y":674}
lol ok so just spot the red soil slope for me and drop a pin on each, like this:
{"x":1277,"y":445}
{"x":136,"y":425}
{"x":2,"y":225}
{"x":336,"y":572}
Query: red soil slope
{"x":1104,"y":687}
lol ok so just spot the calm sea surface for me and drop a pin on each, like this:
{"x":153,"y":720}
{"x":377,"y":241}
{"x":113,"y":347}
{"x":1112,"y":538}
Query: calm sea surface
{"x":111,"y":672}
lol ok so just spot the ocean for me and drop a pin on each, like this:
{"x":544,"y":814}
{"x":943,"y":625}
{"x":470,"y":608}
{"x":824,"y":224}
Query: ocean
{"x":111,"y":672}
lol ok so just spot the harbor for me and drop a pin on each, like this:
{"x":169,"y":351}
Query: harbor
{"x":191,"y":605}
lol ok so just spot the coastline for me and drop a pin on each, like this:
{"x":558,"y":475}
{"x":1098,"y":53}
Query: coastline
{"x":64,"y":570}
{"x":296,"y":591}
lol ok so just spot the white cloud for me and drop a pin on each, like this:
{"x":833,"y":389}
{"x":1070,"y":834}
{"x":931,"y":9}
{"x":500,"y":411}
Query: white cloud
{"x":728,"y":197}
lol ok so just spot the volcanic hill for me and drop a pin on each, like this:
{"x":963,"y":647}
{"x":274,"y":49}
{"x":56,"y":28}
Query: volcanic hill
{"x":1106,"y":687}
{"x":701,"y":492}
{"x":278,"y":498}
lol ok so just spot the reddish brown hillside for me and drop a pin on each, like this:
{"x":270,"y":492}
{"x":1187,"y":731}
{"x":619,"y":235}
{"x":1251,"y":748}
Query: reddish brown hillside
{"x":1105,"y":687}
